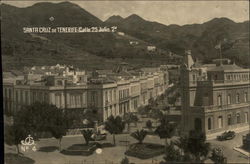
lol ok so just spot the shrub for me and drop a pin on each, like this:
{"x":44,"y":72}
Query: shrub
{"x":149,"y":124}
{"x":139,"y":135}
{"x":125,"y":161}
{"x":145,"y":150}
{"x":218,"y":157}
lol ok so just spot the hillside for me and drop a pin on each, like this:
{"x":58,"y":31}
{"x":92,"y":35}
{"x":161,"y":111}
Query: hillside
{"x":84,"y":49}
{"x":103,"y":50}
{"x":200,"y":38}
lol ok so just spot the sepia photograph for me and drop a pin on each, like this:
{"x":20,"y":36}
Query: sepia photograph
{"x":125,"y":82}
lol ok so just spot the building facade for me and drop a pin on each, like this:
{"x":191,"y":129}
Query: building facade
{"x":113,"y":93}
{"x":215,"y":97}
{"x":119,"y":96}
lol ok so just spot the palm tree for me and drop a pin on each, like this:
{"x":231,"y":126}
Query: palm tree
{"x":114,"y":125}
{"x":166,"y":129}
{"x":87,"y":135}
{"x":139,"y":135}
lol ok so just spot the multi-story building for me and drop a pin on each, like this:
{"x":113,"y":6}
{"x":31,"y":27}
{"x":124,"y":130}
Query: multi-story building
{"x":215,"y":97}
{"x":113,"y":93}
{"x":117,"y":95}
{"x":63,"y":91}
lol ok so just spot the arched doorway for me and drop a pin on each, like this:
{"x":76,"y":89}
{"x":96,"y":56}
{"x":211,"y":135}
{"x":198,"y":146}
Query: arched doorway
{"x":197,"y":124}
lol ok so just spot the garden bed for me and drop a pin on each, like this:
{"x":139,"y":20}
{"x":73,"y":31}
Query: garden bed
{"x":85,"y":150}
{"x":145,"y":150}
{"x":80,"y":149}
{"x":17,"y":159}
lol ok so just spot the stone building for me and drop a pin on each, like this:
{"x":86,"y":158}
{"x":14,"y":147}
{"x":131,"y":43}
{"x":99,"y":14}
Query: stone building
{"x":215,"y":97}
{"x":111,"y":93}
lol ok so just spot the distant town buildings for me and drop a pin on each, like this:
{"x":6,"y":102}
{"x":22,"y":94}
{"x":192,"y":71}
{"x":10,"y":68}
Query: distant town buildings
{"x":133,"y":42}
{"x":109,"y":92}
{"x":121,"y":33}
{"x":215,"y":97}
{"x":151,"y":48}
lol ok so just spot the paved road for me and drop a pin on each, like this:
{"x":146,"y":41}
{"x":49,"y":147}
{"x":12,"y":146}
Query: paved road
{"x":115,"y":154}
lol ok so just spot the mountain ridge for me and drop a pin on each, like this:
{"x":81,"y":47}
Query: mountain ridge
{"x":110,"y":46}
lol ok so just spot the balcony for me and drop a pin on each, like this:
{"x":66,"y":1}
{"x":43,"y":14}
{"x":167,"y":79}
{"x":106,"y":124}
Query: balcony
{"x":222,"y":82}
{"x":124,"y":99}
{"x":220,"y":108}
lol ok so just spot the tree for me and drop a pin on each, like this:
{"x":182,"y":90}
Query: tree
{"x":194,"y":147}
{"x":144,"y":110}
{"x":172,"y":100}
{"x":14,"y":134}
{"x":59,"y":125}
{"x":125,"y":161}
{"x":172,"y":155}
{"x":130,"y":118}
{"x":114,"y":125}
{"x":166,"y":129}
{"x":139,"y":135}
{"x":87,"y":135}
{"x":218,"y":157}
{"x":149,"y":125}
{"x":43,"y":117}
{"x":156,"y":113}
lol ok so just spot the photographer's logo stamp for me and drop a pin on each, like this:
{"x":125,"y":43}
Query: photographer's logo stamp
{"x":28,"y":144}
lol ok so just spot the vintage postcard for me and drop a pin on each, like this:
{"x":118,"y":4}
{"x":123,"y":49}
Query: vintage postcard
{"x":125,"y":82}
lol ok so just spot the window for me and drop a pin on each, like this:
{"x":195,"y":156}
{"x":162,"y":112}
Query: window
{"x":219,"y":100}
{"x":59,"y":82}
{"x":215,"y":77}
{"x":246,"y":117}
{"x":209,"y":124}
{"x":238,"y":118}
{"x":229,"y":99}
{"x":72,"y":101}
{"x":120,"y":108}
{"x":5,"y":93}
{"x":245,"y":97}
{"x":193,"y":78}
{"x":229,"y":119}
{"x":114,"y":95}
{"x":78,"y":101}
{"x":120,"y":94}
{"x":34,"y":96}
{"x":110,"y":95}
{"x":26,"y":97}
{"x":115,"y":109}
{"x":58,"y":100}
{"x":16,"y":96}
{"x":135,"y":104}
{"x":198,"y":124}
{"x":21,"y":97}
{"x":10,"y":93}
{"x":93,"y":97}
{"x":46,"y":97}
{"x":84,"y":98}
{"x":106,"y":112}
{"x":144,"y":98}
{"x":220,"y":122}
{"x":237,"y":98}
{"x":106,"y":96}
{"x":151,"y":94}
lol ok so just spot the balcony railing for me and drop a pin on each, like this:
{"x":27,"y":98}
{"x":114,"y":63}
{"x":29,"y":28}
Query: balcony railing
{"x":222,"y":107}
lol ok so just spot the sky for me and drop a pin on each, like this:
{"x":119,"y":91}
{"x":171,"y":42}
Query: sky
{"x":165,"y":12}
